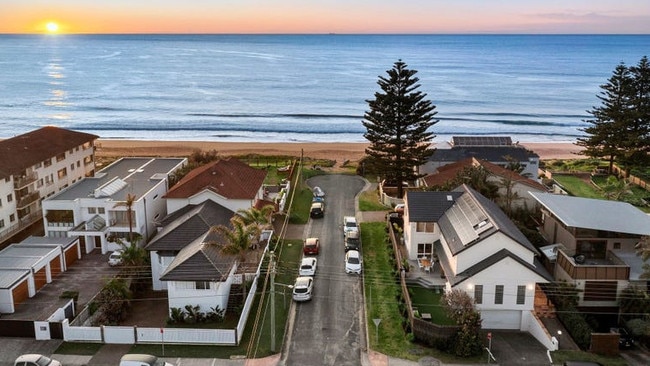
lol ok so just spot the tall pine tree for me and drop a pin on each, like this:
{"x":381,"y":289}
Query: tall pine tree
{"x":397,"y":126}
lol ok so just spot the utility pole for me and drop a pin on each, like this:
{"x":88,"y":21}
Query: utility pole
{"x":272,"y":297}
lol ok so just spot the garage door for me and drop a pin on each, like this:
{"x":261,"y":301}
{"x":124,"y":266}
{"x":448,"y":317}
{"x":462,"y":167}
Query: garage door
{"x":21,"y":292}
{"x":501,"y":319}
{"x":70,"y":256}
{"x":55,"y":266}
{"x":40,"y":279}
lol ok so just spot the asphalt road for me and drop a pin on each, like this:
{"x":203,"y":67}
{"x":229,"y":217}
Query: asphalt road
{"x":327,"y":330}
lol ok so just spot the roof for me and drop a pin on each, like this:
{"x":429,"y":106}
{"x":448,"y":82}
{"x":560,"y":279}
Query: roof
{"x":595,"y":214}
{"x":481,"y":141}
{"x":489,"y":153}
{"x":183,"y":226}
{"x":16,"y":250}
{"x":64,"y":242}
{"x":229,"y":178}
{"x":428,"y":206}
{"x":135,"y":176}
{"x":199,"y":261}
{"x":22,"y":151}
{"x":450,"y":171}
{"x":9,"y":277}
{"x":474,"y":217}
{"x":488,"y":262}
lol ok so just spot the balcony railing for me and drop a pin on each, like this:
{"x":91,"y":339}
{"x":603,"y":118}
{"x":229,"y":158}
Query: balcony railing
{"x":28,"y":200}
{"x":611,"y":268}
{"x":24,"y":180}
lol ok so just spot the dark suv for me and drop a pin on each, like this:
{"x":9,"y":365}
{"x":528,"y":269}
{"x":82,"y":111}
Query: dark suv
{"x":352,"y":241}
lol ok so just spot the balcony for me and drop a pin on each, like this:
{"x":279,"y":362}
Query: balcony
{"x":610,"y":268}
{"x":24,"y":181}
{"x":28,"y":200}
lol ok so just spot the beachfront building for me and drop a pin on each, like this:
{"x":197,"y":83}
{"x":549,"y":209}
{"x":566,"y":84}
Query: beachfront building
{"x":497,"y":150}
{"x":513,"y":187}
{"x":479,"y":251}
{"x":36,"y":165}
{"x":229,"y":182}
{"x":593,"y":246}
{"x":97,"y":208}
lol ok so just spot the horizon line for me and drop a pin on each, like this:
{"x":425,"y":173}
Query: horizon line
{"x":324,"y":34}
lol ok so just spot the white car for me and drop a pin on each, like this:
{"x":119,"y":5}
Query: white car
{"x":135,"y":359}
{"x":35,"y":360}
{"x":303,"y":288}
{"x":308,"y":266}
{"x":350,"y":224}
{"x":353,"y":262}
{"x":318,"y":192}
{"x":115,"y":259}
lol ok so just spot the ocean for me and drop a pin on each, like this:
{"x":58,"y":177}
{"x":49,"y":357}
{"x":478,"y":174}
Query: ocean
{"x":301,"y":88}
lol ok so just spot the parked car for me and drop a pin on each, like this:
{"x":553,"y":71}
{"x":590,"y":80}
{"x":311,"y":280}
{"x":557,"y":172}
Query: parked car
{"x":317,"y":209}
{"x":318,"y":199}
{"x":399,"y":208}
{"x":115,"y":259}
{"x":352,"y":241}
{"x":311,"y":246}
{"x":349,"y":224}
{"x":303,"y":288}
{"x":308,"y":266}
{"x":136,"y":359}
{"x":625,"y":339}
{"x":353,"y":262}
{"x":33,"y":359}
{"x":318,"y":192}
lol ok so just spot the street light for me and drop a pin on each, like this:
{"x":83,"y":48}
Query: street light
{"x":559,"y":333}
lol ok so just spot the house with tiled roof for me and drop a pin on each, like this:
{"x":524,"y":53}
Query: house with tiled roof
{"x":36,"y":165}
{"x":178,"y":230}
{"x":593,"y":245}
{"x":229,"y":182}
{"x":483,"y":148}
{"x":479,"y":250}
{"x":519,"y":186}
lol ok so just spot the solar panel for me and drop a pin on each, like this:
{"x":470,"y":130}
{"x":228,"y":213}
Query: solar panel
{"x":481,"y":141}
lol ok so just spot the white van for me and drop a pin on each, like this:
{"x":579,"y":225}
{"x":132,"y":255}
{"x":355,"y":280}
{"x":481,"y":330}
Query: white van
{"x":136,"y":359}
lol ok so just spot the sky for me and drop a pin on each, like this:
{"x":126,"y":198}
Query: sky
{"x":327,"y":16}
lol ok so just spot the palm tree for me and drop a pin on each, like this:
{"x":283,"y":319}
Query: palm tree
{"x":128,"y":203}
{"x":260,"y":217}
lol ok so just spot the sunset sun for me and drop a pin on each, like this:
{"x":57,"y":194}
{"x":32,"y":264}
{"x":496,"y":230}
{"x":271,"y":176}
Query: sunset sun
{"x":52,"y":27}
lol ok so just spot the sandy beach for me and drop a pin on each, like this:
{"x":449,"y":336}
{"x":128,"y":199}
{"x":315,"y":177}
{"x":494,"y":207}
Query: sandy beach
{"x":335,"y":151}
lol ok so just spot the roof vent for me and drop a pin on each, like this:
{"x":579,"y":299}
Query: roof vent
{"x":450,"y":198}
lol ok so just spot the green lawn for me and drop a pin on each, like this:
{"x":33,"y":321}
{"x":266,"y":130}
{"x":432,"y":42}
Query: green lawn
{"x":560,"y":356}
{"x":369,"y":201}
{"x":428,"y":301}
{"x":577,"y":187}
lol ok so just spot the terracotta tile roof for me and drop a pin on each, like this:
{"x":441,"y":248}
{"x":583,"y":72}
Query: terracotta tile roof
{"x":448,"y":172}
{"x":22,"y":151}
{"x":229,"y":178}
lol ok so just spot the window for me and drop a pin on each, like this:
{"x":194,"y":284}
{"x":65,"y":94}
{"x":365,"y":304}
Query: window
{"x":92,"y":210}
{"x":521,"y":295}
{"x":617,"y":245}
{"x":425,"y":249}
{"x":60,"y":157}
{"x":78,"y":163}
{"x":0,"y":202}
{"x":12,"y":217}
{"x":72,"y":167}
{"x":47,"y":162}
{"x":10,"y":197}
{"x":498,"y":294}
{"x":202,"y":285}
{"x":2,"y":224}
{"x":101,"y":210}
{"x":39,"y":184}
{"x":62,"y":173}
{"x":424,"y":227}
{"x":478,"y":294}
{"x":38,"y":165}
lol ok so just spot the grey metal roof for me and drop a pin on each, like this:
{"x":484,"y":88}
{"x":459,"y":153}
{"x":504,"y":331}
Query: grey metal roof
{"x":589,"y":213}
{"x":15,"y":250}
{"x":489,"y":153}
{"x":64,"y":242}
{"x":429,"y":206}
{"x":7,"y":262}
{"x":9,"y":277}
{"x":199,"y":261}
{"x":185,"y":225}
{"x":138,"y":175}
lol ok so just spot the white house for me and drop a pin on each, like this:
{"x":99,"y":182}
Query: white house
{"x":95,"y":208}
{"x":36,"y":165}
{"x":229,"y":182}
{"x":178,"y":230}
{"x":479,"y":250}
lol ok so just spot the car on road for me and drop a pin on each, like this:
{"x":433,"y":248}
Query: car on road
{"x":115,"y":259}
{"x":138,"y":359}
{"x":318,"y":192}
{"x":303,"y":288}
{"x":311,"y":246}
{"x":317,"y":210}
{"x":350,"y":224}
{"x":33,"y":359}
{"x":352,"y":241}
{"x":353,"y":262}
{"x":308,"y":266}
